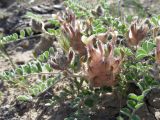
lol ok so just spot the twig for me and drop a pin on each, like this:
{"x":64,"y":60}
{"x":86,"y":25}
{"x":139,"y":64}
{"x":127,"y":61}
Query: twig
{"x":69,"y":74}
{"x":33,"y":74}
{"x":21,"y":39}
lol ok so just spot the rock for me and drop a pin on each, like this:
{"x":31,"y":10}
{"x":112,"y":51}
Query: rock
{"x":59,"y":7}
{"x":157,"y":115}
{"x":153,"y":98}
{"x":24,"y":44}
{"x":6,"y":3}
{"x":22,"y":107}
{"x":18,"y":49}
{"x":20,"y":62}
{"x":7,"y":112}
{"x":42,"y":9}
{"x":1,"y":32}
{"x":38,"y":10}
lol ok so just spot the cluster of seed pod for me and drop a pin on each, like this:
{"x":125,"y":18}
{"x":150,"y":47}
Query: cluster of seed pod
{"x":137,"y":33}
{"x":101,"y":66}
{"x":72,"y":31}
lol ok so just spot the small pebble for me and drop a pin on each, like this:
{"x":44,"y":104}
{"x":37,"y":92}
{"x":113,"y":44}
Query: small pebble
{"x":58,"y":7}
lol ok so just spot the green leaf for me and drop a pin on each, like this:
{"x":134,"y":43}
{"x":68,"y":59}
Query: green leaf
{"x":39,"y":67}
{"x":158,"y":17}
{"x":148,"y":46}
{"x":34,"y":68}
{"x":140,"y":98}
{"x":22,"y":34}
{"x":127,"y":51}
{"x":138,"y":105}
{"x":24,"y":98}
{"x":145,"y":50}
{"x":126,"y":112}
{"x":154,"y":20}
{"x":46,"y":54}
{"x":145,"y":92}
{"x":54,"y":22}
{"x":50,"y":82}
{"x":27,"y":69}
{"x":29,"y":31}
{"x":135,"y":117}
{"x":35,"y":91}
{"x":15,"y":36}
{"x":19,"y":71}
{"x":41,"y":58}
{"x":43,"y":87}
{"x":48,"y":67}
{"x":132,"y":96}
{"x":141,"y":53}
{"x":140,"y":86}
{"x":131,"y":104}
{"x":51,"y":31}
{"x":120,"y":118}
{"x":51,"y":50}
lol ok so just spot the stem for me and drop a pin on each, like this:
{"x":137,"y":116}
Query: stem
{"x":25,"y":38}
{"x":9,"y":58}
{"x":49,"y":73}
{"x":33,"y":74}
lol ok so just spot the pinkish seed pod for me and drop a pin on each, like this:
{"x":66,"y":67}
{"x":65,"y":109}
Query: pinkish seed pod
{"x":137,"y":34}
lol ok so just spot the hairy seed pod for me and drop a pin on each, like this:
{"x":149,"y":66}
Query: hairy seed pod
{"x":137,"y":34}
{"x":101,"y":70}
